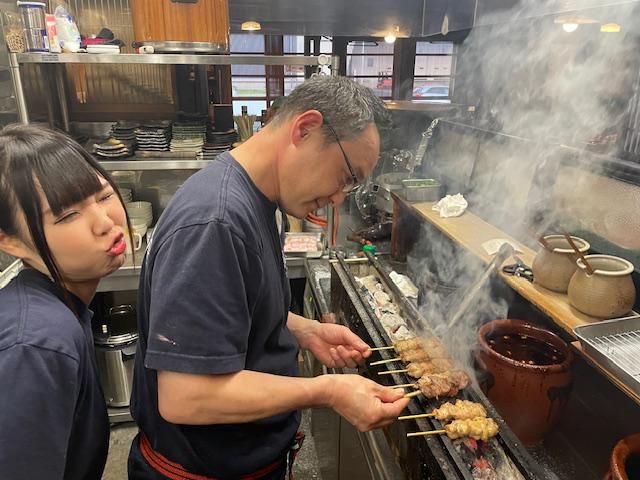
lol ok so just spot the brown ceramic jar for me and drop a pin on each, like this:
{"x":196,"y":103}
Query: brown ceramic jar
{"x":625,"y":459}
{"x":609,"y":292}
{"x":530,"y":397}
{"x":554,"y":266}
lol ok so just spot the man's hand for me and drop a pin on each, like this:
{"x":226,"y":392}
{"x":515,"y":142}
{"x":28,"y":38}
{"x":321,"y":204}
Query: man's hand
{"x":364,"y":403}
{"x":334,"y":345}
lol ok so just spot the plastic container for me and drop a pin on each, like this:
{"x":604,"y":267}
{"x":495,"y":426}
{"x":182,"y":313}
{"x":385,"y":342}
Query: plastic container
{"x":34,"y":26}
{"x":13,"y":34}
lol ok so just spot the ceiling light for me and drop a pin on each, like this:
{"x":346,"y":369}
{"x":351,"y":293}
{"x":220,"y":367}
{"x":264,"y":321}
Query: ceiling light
{"x":250,"y":26}
{"x":610,"y":28}
{"x":390,"y":38}
{"x":569,"y":27}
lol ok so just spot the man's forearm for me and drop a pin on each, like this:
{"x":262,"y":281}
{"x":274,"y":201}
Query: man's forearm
{"x":235,"y":398}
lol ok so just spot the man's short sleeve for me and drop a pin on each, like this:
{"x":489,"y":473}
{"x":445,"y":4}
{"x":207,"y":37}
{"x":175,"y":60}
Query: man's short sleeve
{"x":199,"y":314}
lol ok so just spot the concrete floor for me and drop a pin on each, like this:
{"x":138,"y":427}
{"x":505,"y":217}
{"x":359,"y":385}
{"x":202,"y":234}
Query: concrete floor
{"x":306,"y":466}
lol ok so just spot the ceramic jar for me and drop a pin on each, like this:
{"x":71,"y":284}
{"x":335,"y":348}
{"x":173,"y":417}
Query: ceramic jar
{"x":554,"y":266}
{"x":609,"y":292}
{"x":530,"y":395}
{"x":625,"y":459}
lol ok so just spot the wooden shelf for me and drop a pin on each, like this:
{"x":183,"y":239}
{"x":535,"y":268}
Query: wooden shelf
{"x":471,"y":232}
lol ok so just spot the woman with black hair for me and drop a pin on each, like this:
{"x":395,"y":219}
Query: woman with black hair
{"x":61,"y":214}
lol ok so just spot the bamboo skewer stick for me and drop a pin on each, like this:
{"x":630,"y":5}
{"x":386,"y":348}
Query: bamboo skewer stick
{"x":412,"y":417}
{"x":406,"y":385}
{"x":377,"y":349}
{"x":382,"y":362}
{"x":413,"y":394}
{"x":422,"y":434}
{"x":388,"y":372}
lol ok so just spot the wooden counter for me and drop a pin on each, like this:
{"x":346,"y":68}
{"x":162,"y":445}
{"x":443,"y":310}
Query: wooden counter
{"x":471,"y":232}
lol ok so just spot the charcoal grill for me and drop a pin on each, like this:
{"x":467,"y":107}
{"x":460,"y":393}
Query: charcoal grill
{"x":435,"y":456}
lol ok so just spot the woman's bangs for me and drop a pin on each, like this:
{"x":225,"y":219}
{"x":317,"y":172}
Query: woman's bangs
{"x":66,"y":178}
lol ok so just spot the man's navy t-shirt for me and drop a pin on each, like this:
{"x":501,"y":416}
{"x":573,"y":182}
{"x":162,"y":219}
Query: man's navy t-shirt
{"x":214,"y":299}
{"x":53,"y":417}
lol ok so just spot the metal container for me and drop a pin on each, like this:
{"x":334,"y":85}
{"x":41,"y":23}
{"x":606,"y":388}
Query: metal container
{"x":115,"y":353}
{"x":115,"y":360}
{"x":422,"y":190}
{"x":172,"y":26}
{"x":615,"y":344}
{"x":384,"y":185}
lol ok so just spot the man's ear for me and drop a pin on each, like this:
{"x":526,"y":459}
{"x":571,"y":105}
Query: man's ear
{"x":304,"y":124}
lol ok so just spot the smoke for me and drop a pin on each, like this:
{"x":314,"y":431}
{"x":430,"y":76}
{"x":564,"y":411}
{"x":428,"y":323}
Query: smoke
{"x":551,"y":94}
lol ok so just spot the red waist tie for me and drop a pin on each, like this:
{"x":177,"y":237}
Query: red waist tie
{"x":175,"y":471}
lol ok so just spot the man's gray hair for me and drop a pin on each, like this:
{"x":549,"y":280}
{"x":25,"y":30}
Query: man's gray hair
{"x":345,"y":105}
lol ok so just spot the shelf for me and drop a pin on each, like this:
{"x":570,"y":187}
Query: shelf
{"x":172,"y":59}
{"x":471,"y":232}
{"x":421,"y":105}
{"x":127,"y":277}
{"x":111,"y":165}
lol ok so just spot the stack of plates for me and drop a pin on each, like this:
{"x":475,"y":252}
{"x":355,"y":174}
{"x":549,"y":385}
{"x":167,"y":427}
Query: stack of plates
{"x":112,"y":148}
{"x":217,"y":143}
{"x":153,"y":136}
{"x":125,"y":132}
{"x":188,"y":136}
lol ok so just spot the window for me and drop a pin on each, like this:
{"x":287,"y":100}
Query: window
{"x":433,"y":71}
{"x":371,"y":64}
{"x":293,"y":74}
{"x":256,"y":85}
{"x":248,"y":82}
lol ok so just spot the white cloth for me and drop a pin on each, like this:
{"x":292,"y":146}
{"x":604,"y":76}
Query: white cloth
{"x":492,"y":246}
{"x":451,"y":206}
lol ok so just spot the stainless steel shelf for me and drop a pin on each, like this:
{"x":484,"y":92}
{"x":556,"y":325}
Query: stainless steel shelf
{"x":154,"y":164}
{"x":172,"y":59}
{"x":421,"y":105}
{"x":127,"y":277}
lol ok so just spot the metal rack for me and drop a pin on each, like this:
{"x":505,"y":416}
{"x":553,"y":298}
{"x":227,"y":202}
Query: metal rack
{"x":126,"y":278}
{"x":154,"y":164}
{"x":56,"y":60}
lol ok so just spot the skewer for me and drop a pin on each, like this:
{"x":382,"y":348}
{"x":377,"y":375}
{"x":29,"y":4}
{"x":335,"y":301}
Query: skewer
{"x":412,"y":417}
{"x":413,"y":394}
{"x":377,"y":349}
{"x":382,"y":362}
{"x":406,"y":385}
{"x":422,"y":434}
{"x":388,"y":372}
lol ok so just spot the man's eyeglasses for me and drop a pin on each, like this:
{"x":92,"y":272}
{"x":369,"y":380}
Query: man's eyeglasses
{"x":353,"y":183}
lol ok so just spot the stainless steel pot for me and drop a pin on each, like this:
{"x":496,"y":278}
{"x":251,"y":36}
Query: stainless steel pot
{"x":115,"y":352}
{"x":115,"y":364}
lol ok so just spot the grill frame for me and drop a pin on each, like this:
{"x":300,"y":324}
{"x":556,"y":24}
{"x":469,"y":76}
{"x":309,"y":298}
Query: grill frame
{"x":437,"y":456}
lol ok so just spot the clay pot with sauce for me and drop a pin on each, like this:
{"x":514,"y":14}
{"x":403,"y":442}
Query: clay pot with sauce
{"x":554,"y":265}
{"x":609,"y":292}
{"x":527,"y":375}
{"x":625,"y":459}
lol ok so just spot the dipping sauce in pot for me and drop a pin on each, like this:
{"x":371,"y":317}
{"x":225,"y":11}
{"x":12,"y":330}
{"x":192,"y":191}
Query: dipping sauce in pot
{"x":525,"y":349}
